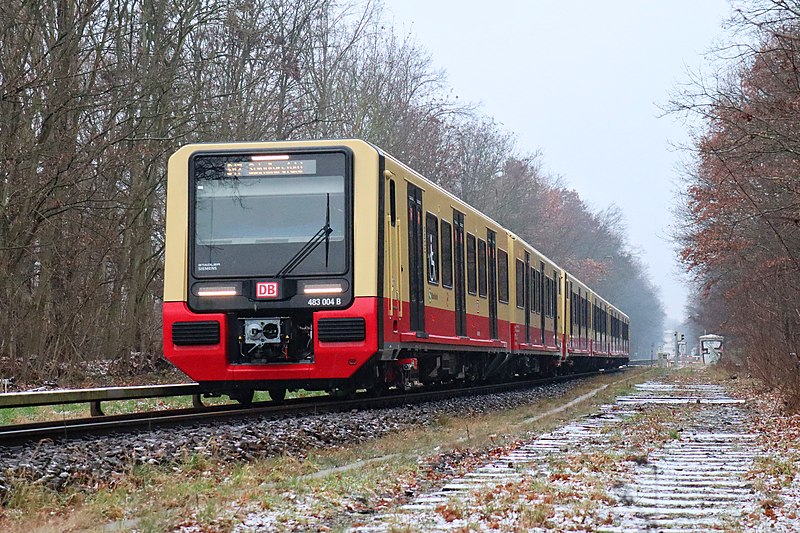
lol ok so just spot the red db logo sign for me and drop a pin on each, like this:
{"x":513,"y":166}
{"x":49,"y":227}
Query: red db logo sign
{"x":266,"y":289}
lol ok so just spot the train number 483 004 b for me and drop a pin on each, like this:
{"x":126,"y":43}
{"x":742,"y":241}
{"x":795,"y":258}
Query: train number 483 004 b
{"x":317,"y":302}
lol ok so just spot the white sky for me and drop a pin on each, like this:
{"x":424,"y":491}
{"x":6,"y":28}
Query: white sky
{"x":582,"y":80}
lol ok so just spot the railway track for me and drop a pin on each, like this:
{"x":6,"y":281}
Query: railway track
{"x":698,"y":480}
{"x":11,"y":435}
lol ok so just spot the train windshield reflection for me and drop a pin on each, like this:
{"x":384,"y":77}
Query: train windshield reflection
{"x":267,"y":210}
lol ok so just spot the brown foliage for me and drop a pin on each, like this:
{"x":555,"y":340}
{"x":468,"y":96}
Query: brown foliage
{"x":741,"y":236}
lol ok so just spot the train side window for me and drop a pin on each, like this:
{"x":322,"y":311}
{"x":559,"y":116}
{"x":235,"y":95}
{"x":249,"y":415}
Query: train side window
{"x":546,"y":296}
{"x":502,"y":276}
{"x":534,"y":290}
{"x":573,"y":315}
{"x":598,"y":322}
{"x":392,"y":203}
{"x":596,"y":317}
{"x":447,"y":255}
{"x":520,"y":284}
{"x":482,"y":280}
{"x":540,"y":292}
{"x":472,"y":277}
{"x":432,"y":244}
{"x":586,"y":317}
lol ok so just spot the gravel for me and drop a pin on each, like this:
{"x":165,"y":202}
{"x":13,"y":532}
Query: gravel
{"x":92,"y":462}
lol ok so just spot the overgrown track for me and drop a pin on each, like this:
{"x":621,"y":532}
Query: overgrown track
{"x":66,"y":429}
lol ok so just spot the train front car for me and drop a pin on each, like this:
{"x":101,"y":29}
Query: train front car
{"x":270,"y":281}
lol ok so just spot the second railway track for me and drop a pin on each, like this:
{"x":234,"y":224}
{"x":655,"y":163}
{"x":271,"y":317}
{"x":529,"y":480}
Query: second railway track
{"x":11,"y":435}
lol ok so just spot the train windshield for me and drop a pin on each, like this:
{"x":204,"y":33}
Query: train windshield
{"x":253,"y":217}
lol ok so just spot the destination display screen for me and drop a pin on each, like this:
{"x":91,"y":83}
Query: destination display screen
{"x":270,"y":168}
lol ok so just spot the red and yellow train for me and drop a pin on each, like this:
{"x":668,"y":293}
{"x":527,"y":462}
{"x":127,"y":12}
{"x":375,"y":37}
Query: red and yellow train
{"x":330,"y":265}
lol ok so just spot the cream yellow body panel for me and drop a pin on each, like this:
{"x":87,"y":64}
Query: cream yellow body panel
{"x":441,"y":204}
{"x":365,"y":233}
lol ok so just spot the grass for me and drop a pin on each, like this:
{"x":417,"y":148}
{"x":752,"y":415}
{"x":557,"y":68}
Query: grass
{"x":212,"y":494}
{"x":22,"y":415}
{"x":771,"y":473}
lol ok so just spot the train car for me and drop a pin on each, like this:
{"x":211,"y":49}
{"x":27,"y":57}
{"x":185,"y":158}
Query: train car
{"x":596,"y":330}
{"x":330,"y":265}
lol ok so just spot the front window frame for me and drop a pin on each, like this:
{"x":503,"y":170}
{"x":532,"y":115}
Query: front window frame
{"x":346,"y":272}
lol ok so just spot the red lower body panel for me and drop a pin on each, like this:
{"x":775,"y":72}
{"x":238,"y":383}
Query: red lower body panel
{"x":332,"y":360}
{"x":340,"y":360}
{"x":440,"y":329}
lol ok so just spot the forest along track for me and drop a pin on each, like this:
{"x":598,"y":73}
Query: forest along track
{"x":695,"y":481}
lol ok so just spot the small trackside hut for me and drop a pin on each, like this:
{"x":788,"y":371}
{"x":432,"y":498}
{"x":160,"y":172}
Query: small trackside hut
{"x":330,"y":265}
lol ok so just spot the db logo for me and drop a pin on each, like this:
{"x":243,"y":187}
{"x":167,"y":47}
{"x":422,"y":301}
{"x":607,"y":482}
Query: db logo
{"x":267,"y":289}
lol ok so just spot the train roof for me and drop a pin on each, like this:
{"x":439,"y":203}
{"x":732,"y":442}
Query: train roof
{"x":381,"y":151}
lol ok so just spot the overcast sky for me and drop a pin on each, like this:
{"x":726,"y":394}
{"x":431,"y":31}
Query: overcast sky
{"x":583,"y":81}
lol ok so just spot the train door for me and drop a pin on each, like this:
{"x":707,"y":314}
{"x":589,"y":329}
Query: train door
{"x":491,"y":238}
{"x":527,"y":276}
{"x":580,"y":319}
{"x":392,"y":252}
{"x":556,"y":291}
{"x":416,"y":259}
{"x":570,"y":321}
{"x":458,"y":263}
{"x":542,"y":314}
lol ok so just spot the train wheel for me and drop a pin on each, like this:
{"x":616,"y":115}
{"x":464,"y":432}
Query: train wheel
{"x":344,"y":393}
{"x":277,"y":394}
{"x":378,"y":389}
{"x":244,"y":396}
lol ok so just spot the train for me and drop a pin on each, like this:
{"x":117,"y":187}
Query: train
{"x":329,"y":265}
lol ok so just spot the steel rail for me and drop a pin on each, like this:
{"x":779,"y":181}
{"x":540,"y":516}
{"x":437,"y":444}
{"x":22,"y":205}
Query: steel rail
{"x":73,"y":428}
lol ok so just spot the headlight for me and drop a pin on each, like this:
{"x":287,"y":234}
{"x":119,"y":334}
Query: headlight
{"x":336,"y":287}
{"x":215,"y":290}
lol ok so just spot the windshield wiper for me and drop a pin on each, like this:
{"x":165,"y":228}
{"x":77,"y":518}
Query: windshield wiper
{"x":324,"y":234}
